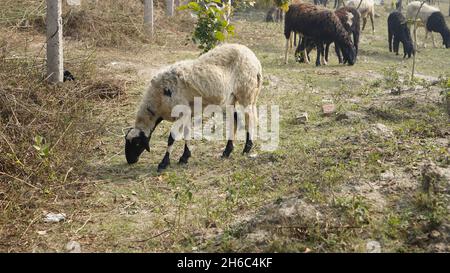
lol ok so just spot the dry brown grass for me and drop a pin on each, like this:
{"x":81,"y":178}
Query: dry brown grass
{"x":105,"y":23}
{"x":66,"y":116}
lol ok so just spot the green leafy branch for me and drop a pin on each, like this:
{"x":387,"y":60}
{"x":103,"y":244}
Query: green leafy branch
{"x":212,"y":26}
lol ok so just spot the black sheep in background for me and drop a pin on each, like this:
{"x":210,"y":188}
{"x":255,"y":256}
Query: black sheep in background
{"x":398,"y":32}
{"x":436,"y":23}
{"x":321,"y":25}
{"x":68,"y":76}
{"x":269,"y":15}
{"x":350,"y":19}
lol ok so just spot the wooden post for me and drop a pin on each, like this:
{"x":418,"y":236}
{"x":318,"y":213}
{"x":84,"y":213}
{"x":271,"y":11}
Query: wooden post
{"x":148,"y":16}
{"x":169,"y":7}
{"x":415,"y":41}
{"x":55,"y":69}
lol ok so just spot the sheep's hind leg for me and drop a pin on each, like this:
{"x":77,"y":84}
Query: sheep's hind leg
{"x":166,"y":160}
{"x":325,"y":58}
{"x":229,"y":148}
{"x":250,"y":125}
{"x":338,"y":53}
{"x":186,"y":154}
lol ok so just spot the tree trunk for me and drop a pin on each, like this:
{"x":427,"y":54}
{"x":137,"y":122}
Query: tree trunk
{"x":55,"y":69}
{"x":169,"y":7}
{"x":148,"y":16}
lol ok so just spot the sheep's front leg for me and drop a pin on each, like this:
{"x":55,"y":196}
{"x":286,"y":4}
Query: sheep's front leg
{"x":432,"y":39}
{"x":390,"y":36}
{"x":319,"y":53}
{"x":291,"y":40}
{"x":186,"y":154}
{"x":371,"y":21}
{"x":396,"y":45}
{"x":166,"y":160}
{"x":286,"y":51}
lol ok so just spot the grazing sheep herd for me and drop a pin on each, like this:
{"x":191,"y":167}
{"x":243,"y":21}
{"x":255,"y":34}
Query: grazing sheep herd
{"x":231,"y":74}
{"x":349,"y":18}
{"x":320,"y":25}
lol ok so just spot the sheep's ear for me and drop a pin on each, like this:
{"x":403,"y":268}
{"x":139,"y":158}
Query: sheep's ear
{"x":128,"y":131}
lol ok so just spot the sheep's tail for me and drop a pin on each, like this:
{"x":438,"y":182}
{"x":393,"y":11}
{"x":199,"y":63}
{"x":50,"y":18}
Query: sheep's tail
{"x":259,"y":79}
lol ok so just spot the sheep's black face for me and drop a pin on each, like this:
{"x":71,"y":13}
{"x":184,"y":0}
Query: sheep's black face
{"x":409,"y":50}
{"x":349,"y":53}
{"x":135,"y":143}
{"x":447,"y":42}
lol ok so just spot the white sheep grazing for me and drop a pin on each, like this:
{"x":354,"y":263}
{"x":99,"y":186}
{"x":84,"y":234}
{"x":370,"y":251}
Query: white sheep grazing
{"x":229,"y":74}
{"x":424,"y":14}
{"x":366,"y":8}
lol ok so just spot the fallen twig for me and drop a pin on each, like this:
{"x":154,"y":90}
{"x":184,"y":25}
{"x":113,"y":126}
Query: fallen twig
{"x":153,"y":237}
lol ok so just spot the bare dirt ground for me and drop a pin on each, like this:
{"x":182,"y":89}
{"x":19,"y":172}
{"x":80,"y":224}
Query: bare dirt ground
{"x":374,"y":172}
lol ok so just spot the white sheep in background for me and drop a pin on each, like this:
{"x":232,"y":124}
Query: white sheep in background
{"x":229,"y":74}
{"x":432,"y":20}
{"x":366,"y":8}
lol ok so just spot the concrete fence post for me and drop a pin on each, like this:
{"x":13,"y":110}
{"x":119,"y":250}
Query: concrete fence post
{"x":55,"y":66}
{"x":148,"y":16}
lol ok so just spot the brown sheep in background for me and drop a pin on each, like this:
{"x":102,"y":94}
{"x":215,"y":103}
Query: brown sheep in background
{"x":321,"y":25}
{"x":350,"y":19}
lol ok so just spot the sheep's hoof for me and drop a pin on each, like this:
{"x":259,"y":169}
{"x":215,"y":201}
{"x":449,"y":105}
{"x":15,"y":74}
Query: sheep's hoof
{"x":248,"y":146}
{"x":225,"y":154}
{"x":161,"y":169}
{"x":164,"y":164}
{"x":228,"y":149}
{"x":183,"y":161}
